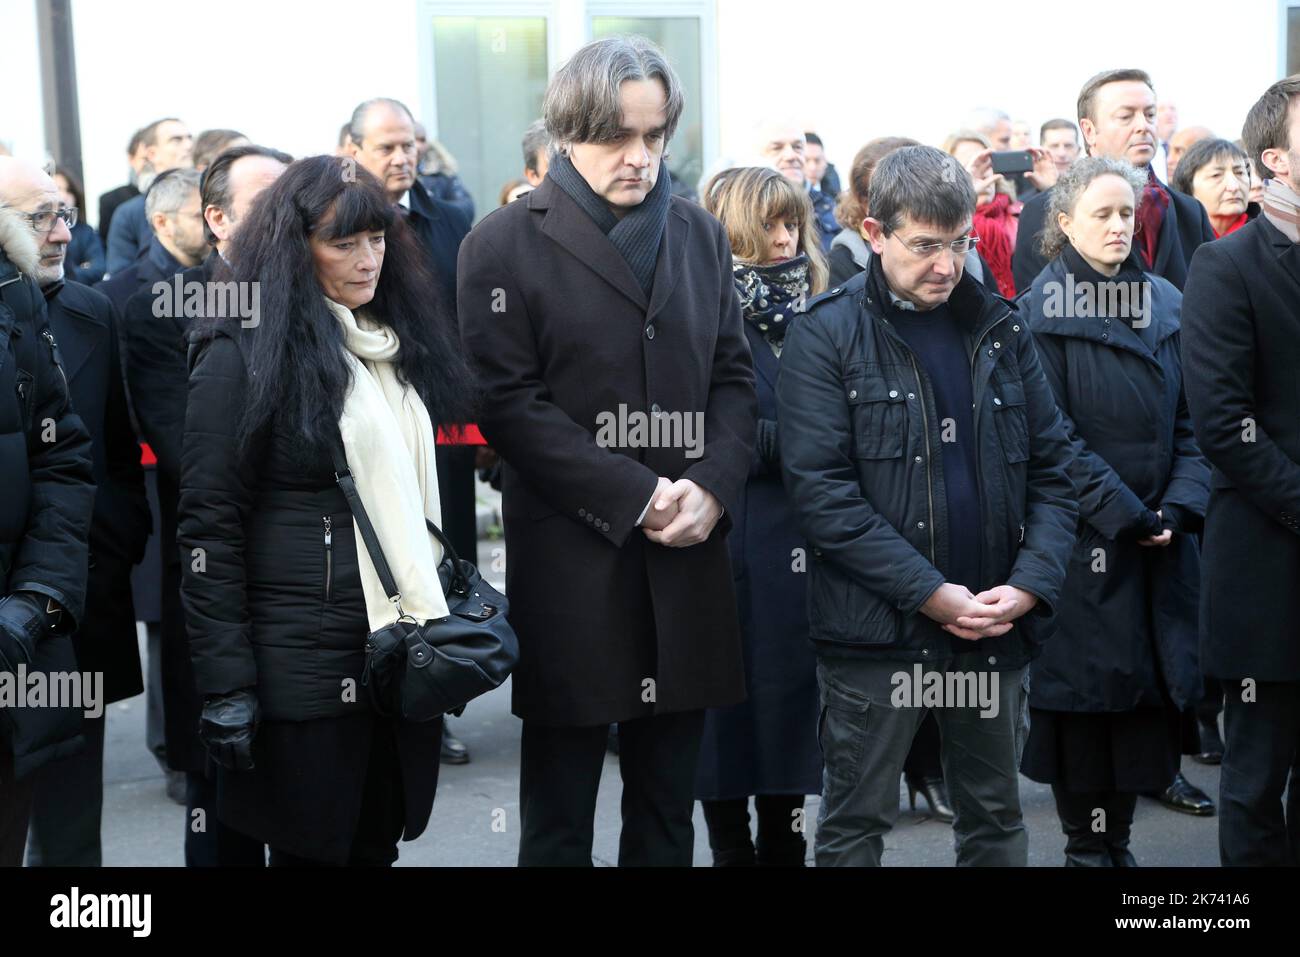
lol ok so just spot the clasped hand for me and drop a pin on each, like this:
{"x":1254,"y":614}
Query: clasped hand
{"x":986,"y":615}
{"x":680,"y":514}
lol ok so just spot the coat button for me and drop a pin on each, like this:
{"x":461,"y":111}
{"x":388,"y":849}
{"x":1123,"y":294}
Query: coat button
{"x":990,"y":352}
{"x":919,"y":459}
{"x":835,"y":290}
{"x":853,"y":393}
{"x":920,"y":524}
{"x":1015,"y":328}
{"x":997,"y":345}
{"x":582,"y":513}
{"x":1104,"y":336}
{"x":893,"y":393}
{"x":925,"y":652}
{"x":650,"y":332}
{"x":992,"y":660}
{"x":911,"y":395}
{"x":997,"y":401}
{"x":590,"y":517}
{"x":1105,"y":322}
{"x":604,"y":526}
{"x":655,"y":408}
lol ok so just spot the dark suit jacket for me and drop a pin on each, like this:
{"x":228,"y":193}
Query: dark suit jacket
{"x":155,"y":264}
{"x":85,"y":326}
{"x":157,"y":376}
{"x":441,"y":227}
{"x":1184,"y":228}
{"x":108,"y":204}
{"x":1241,"y":350}
{"x":565,"y":340}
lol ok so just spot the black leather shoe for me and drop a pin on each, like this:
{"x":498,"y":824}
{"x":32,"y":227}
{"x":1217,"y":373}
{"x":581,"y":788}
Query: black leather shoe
{"x":1186,"y":797}
{"x":453,"y":749}
{"x":936,"y":793}
{"x":1211,"y":743}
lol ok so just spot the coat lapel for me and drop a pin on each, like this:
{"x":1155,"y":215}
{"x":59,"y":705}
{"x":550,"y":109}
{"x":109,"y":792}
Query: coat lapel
{"x":568,"y":225}
{"x":668,"y":269}
{"x":79,"y":333}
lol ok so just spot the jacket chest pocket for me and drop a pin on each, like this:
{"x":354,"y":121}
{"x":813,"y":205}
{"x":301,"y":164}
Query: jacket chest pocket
{"x":1012,"y":417}
{"x":878,"y":408}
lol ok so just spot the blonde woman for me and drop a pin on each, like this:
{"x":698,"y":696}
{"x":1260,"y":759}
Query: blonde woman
{"x":765,"y":747}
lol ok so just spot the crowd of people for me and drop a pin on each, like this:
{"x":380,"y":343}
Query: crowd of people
{"x":951,"y":474}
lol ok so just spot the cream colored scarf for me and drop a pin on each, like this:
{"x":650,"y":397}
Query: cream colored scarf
{"x":389,"y":443}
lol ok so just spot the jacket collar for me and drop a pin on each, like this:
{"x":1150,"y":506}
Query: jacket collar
{"x":1120,"y":334}
{"x":160,"y":260}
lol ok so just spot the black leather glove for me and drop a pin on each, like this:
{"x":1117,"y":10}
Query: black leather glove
{"x":25,"y":618}
{"x":227,"y":727}
{"x":769,"y":453}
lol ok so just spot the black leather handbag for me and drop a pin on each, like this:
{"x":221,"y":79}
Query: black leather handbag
{"x":420,"y":672}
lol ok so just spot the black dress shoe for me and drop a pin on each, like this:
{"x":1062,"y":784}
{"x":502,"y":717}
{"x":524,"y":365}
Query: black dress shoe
{"x":936,"y":793}
{"x":453,"y":749}
{"x":1211,"y":743}
{"x":1186,"y":797}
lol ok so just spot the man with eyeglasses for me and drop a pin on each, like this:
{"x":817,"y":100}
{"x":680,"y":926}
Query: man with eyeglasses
{"x":68,"y":793}
{"x":926,"y":459}
{"x":45,"y":507}
{"x":175,"y":213}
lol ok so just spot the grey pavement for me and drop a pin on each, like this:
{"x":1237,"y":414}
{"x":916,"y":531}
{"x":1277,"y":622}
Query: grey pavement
{"x":475,"y":819}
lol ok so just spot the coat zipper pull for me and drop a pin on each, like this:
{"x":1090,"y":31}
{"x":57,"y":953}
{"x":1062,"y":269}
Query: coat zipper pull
{"x":58,"y":359}
{"x":329,"y":554}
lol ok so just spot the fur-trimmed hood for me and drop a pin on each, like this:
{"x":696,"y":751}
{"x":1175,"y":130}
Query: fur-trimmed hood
{"x":18,"y":241}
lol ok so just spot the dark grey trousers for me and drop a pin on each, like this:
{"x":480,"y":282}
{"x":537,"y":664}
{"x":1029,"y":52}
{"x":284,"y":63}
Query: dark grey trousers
{"x":865,"y":740}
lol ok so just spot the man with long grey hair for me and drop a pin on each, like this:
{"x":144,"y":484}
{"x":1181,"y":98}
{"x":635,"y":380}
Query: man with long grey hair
{"x":619,"y":393}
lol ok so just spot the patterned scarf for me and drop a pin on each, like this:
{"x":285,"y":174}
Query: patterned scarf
{"x":771,"y":295}
{"x":1282,"y":207}
{"x":1150,"y":214}
{"x":637,"y":235}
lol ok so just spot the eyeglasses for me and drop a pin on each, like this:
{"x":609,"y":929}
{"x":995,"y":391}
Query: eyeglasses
{"x":959,"y":247}
{"x":44,"y":222}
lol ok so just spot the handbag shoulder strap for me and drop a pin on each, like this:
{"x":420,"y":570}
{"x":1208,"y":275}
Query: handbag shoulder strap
{"x":343,"y":475}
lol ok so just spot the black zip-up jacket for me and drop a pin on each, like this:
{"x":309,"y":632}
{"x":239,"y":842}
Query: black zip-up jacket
{"x":860,"y":453}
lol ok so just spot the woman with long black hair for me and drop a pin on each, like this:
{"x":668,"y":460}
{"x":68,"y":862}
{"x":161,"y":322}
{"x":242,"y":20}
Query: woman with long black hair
{"x":345,"y":348}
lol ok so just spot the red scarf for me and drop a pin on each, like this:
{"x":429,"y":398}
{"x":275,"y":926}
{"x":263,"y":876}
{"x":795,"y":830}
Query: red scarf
{"x":995,"y":225}
{"x":1236,"y":225}
{"x":1149,"y":217}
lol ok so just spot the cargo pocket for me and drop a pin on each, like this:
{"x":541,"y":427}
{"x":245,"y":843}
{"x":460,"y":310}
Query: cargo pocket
{"x":1012,"y":419}
{"x":879,"y":411}
{"x":841,"y":731}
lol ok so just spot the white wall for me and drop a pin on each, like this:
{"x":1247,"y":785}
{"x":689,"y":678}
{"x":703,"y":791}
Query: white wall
{"x":859,"y":69}
{"x":288,"y":72}
{"x":21,"y":123}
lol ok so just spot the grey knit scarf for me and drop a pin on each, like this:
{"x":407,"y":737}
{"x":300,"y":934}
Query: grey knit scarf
{"x":637,"y":235}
